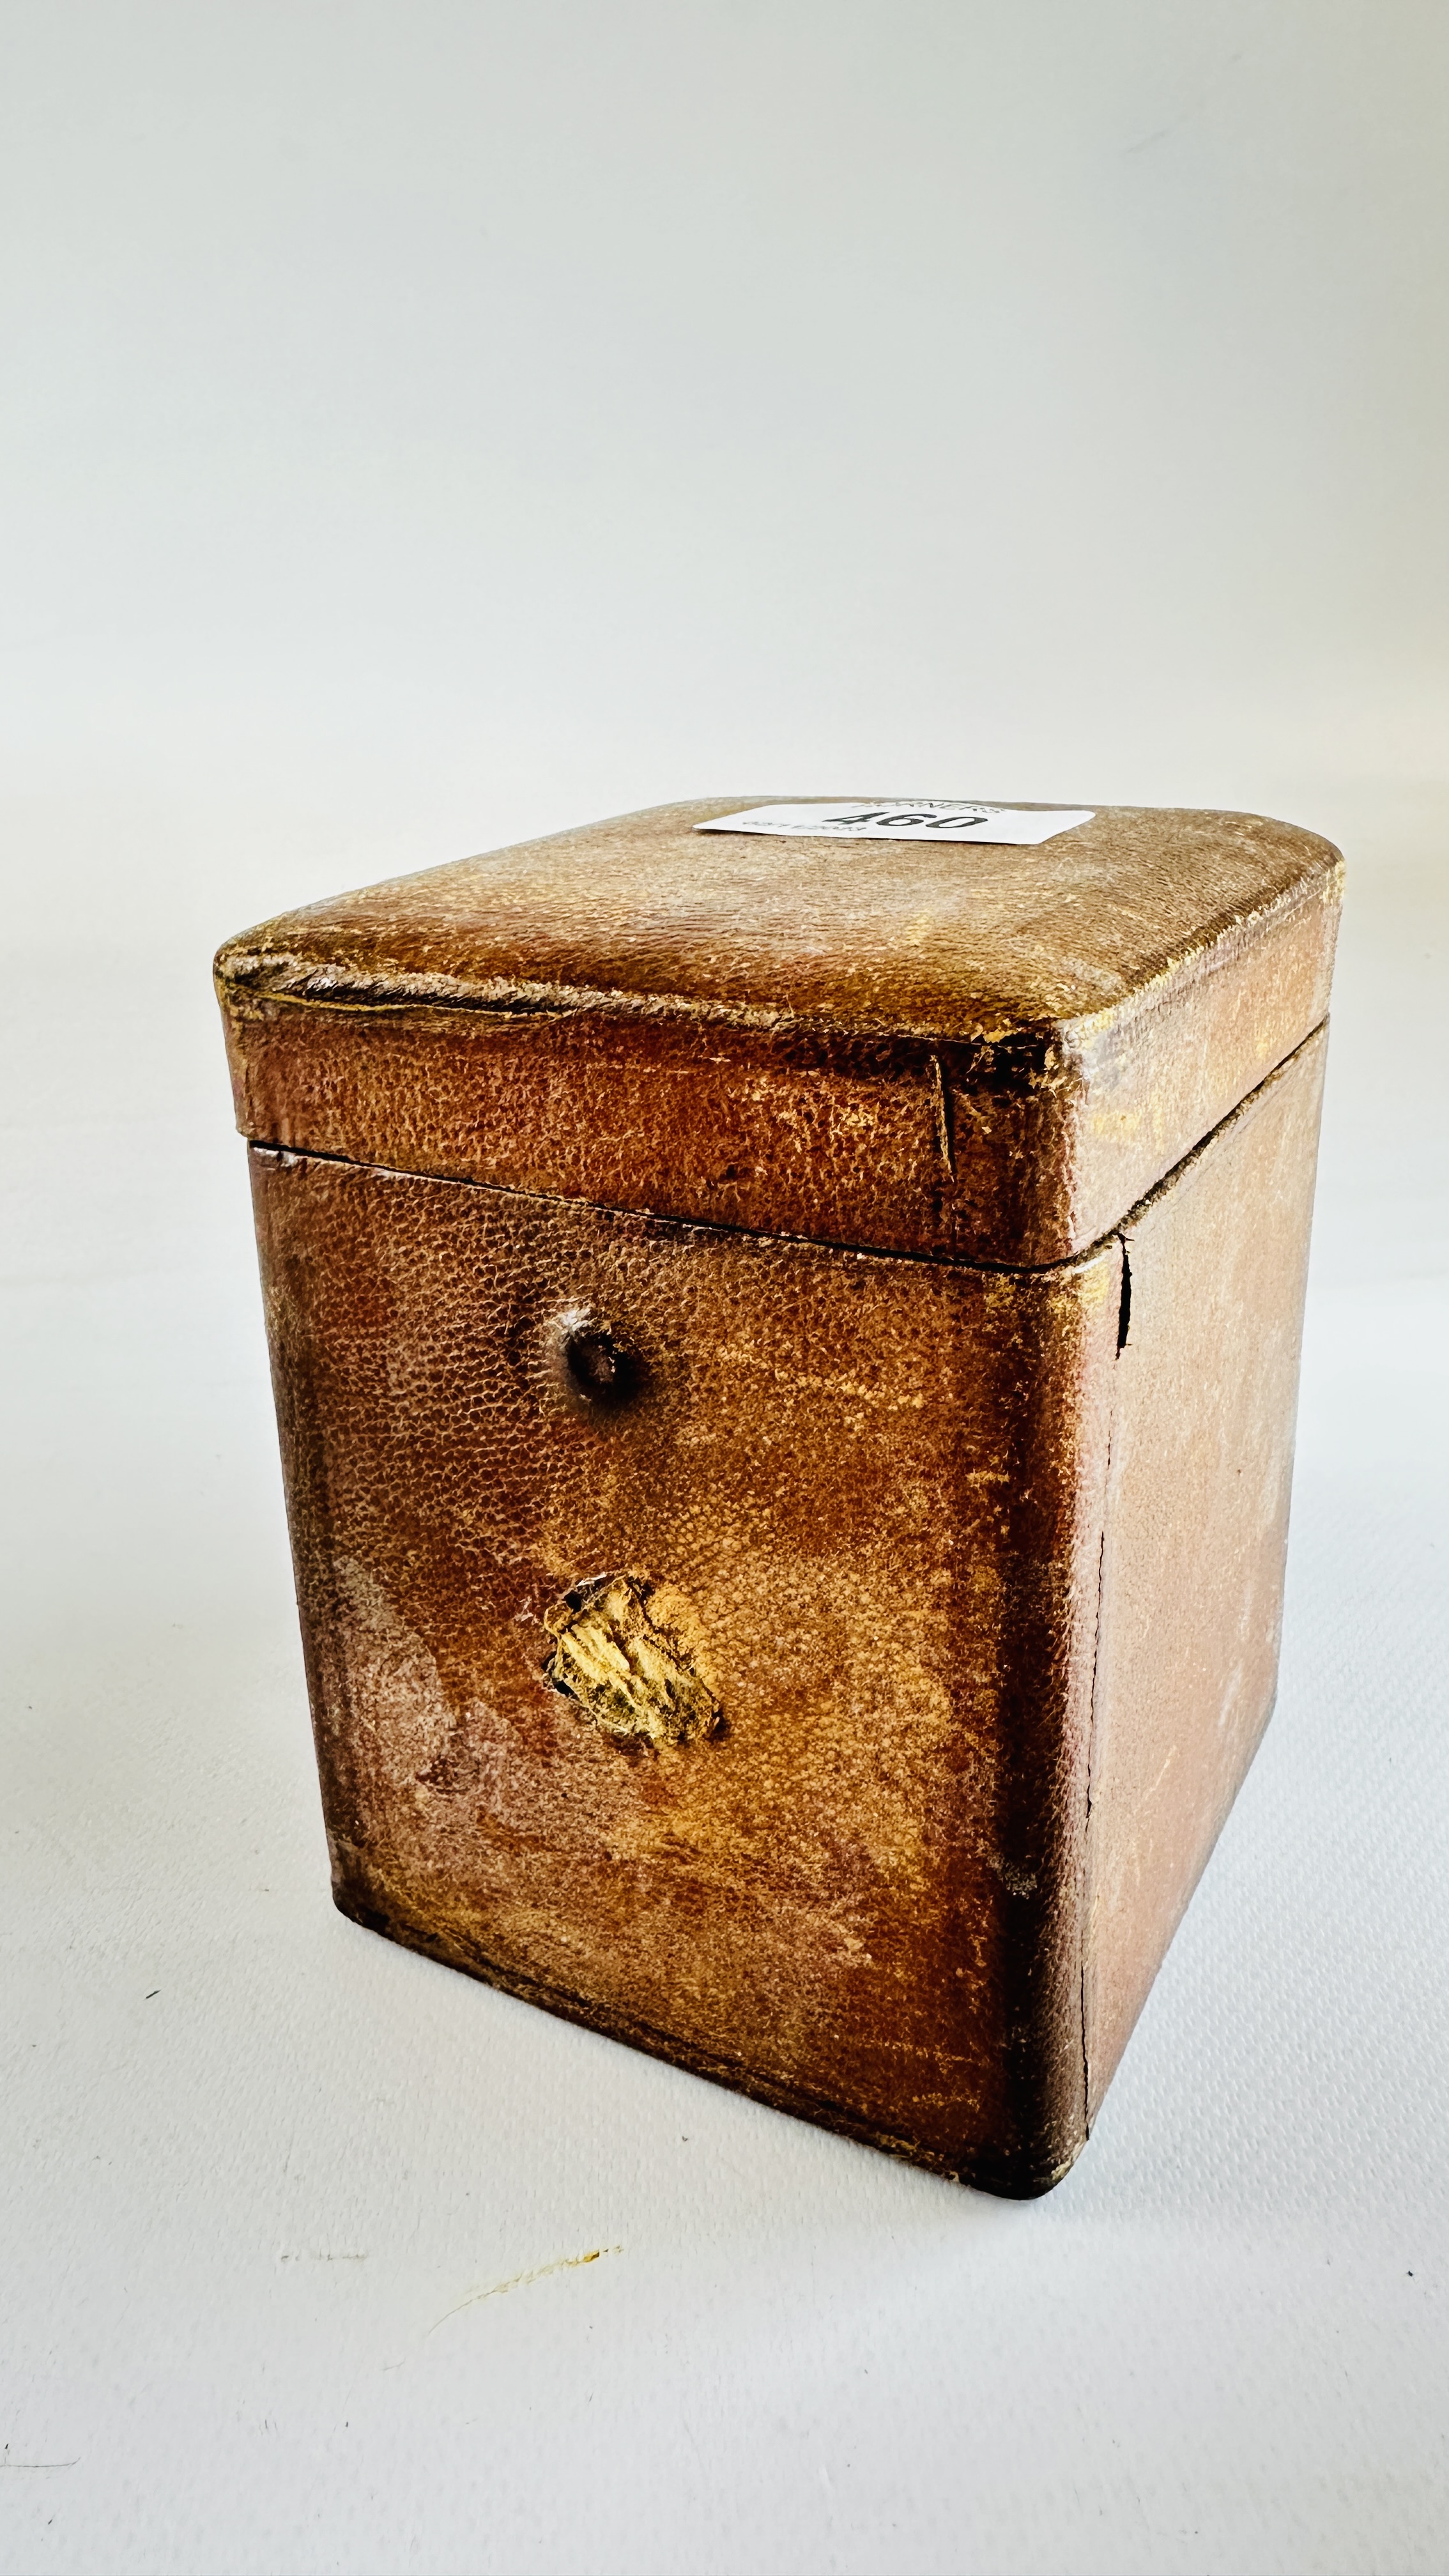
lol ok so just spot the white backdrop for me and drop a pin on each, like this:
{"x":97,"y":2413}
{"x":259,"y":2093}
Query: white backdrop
{"x":429,"y":424}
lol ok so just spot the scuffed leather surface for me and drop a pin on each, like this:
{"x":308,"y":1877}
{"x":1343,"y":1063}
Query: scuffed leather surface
{"x":979,"y":1053}
{"x":1197,"y":1528}
{"x":917,"y":1878}
{"x":867,"y":1495}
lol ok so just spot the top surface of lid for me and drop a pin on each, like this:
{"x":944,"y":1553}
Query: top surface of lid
{"x":951,"y":940}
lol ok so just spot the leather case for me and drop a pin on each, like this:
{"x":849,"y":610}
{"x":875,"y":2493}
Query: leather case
{"x":786,"y":1354}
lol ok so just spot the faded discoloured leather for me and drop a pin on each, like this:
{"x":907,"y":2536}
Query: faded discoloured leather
{"x":979,"y":1053}
{"x":1197,"y":1528}
{"x":920,"y":1634}
{"x":873,"y":1490}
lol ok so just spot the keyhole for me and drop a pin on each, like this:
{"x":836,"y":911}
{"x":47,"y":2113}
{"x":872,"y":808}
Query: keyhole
{"x":593,"y":1363}
{"x":597,"y":1369}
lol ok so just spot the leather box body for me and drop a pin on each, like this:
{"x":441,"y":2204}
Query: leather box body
{"x":786,"y":1355}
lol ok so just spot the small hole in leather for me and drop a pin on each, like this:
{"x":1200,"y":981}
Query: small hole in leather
{"x":596,"y":1367}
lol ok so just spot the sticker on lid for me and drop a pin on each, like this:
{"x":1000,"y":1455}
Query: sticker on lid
{"x":920,"y":818}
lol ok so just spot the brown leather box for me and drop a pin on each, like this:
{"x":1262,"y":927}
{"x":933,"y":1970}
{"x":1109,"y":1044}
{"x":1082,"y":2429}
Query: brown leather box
{"x":786,"y":1354}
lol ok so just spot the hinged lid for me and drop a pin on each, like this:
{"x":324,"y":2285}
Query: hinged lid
{"x":980,"y":1052}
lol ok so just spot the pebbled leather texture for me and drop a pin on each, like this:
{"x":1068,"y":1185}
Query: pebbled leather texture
{"x":865,"y":1496}
{"x":977,"y":1053}
{"x":1197,"y":1527}
{"x":735,"y":1618}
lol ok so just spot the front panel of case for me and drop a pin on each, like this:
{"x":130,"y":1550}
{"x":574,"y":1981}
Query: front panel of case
{"x":699,"y":1630}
